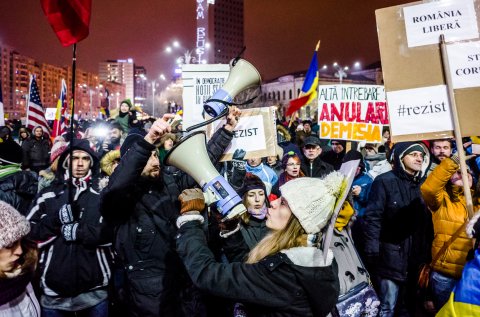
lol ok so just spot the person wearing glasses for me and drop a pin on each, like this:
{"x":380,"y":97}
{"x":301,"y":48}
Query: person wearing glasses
{"x":394,"y":217}
{"x":291,"y":164}
{"x":312,"y":164}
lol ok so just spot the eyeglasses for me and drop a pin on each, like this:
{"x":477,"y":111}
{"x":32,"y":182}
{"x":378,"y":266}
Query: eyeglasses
{"x":310,"y":147}
{"x":293,"y":164}
{"x":417,"y":155}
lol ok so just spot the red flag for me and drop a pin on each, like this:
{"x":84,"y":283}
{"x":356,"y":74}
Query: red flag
{"x":70,"y":19}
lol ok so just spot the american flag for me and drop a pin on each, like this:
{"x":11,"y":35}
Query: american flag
{"x":35,"y":111}
{"x":61,"y":122}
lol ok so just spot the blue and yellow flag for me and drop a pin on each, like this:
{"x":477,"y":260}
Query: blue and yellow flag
{"x":464,"y":300}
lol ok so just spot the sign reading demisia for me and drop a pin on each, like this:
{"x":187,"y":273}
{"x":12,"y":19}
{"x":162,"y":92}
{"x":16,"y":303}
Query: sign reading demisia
{"x":352,"y":112}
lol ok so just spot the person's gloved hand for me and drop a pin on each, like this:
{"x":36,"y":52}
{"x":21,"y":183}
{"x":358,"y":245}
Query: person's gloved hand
{"x":65,"y":214}
{"x":239,"y":154}
{"x":191,"y":200}
{"x":69,"y":231}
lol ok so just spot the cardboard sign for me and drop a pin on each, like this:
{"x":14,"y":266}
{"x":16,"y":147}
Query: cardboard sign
{"x":420,"y":110}
{"x":425,"y":23}
{"x":255,"y":133}
{"x":200,"y":81}
{"x":407,"y":68}
{"x":352,"y":112}
{"x":464,"y":62}
{"x":50,"y":113}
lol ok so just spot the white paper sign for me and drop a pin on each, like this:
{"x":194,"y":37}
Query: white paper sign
{"x":255,"y":133}
{"x":50,"y":113}
{"x":419,"y":110}
{"x":464,"y":61}
{"x":200,"y":81}
{"x":456,"y":19}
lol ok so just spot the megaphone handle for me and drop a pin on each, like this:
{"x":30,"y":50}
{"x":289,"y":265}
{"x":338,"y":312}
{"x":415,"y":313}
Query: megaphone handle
{"x":199,"y":125}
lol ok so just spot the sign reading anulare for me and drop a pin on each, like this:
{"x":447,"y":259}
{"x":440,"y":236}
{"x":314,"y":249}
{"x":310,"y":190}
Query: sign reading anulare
{"x":425,"y":22}
{"x":352,"y":112}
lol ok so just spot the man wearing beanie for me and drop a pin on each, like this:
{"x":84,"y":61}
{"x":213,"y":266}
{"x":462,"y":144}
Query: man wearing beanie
{"x":142,"y":197}
{"x":394,"y":217}
{"x":17,"y":187}
{"x":335,"y":156}
{"x":73,"y":237}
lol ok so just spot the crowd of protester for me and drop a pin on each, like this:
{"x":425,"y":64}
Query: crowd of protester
{"x":94,"y":223}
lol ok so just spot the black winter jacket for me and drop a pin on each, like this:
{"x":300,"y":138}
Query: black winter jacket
{"x":318,"y":168}
{"x":394,"y":211}
{"x":69,"y":268}
{"x":289,"y":283}
{"x":144,"y":213}
{"x":18,"y":190}
{"x":36,"y":153}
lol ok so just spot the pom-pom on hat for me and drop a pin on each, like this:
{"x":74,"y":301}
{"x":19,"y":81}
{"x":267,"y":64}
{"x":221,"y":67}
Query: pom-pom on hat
{"x":13,"y":226}
{"x":312,"y":200}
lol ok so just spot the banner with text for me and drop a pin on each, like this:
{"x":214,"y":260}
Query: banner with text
{"x":255,"y":133}
{"x":424,"y":23}
{"x":352,"y":112}
{"x":419,"y":111}
{"x":200,"y":81}
{"x":464,"y":61}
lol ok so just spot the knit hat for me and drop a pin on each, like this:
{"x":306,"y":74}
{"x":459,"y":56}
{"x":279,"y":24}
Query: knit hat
{"x":353,"y":155}
{"x":413,"y":148}
{"x":342,"y":142}
{"x":57,"y":149}
{"x":128,"y":102}
{"x":10,"y":153}
{"x":251,"y":181}
{"x":312,"y":200}
{"x":13,"y":226}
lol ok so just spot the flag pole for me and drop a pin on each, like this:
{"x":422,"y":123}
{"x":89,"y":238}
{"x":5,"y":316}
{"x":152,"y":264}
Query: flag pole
{"x":301,"y":92}
{"x":72,"y":136}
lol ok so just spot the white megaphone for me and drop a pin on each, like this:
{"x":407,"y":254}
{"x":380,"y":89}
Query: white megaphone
{"x":242,"y":76}
{"x":190,"y":155}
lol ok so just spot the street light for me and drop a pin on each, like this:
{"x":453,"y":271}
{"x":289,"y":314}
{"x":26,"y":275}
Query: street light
{"x":154,"y":85}
{"x":342,"y":71}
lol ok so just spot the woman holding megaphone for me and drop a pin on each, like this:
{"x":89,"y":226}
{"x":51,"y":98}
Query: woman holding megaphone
{"x":285,"y":273}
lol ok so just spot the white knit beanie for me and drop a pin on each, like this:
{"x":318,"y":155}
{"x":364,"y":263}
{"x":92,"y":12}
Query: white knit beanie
{"x":13,"y":226}
{"x":312,"y":200}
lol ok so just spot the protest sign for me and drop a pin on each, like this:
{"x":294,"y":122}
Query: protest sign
{"x":406,"y":68}
{"x":50,"y":113}
{"x":421,"y":107}
{"x":200,"y":81}
{"x":424,"y":23}
{"x":255,"y":133}
{"x":352,"y":112}
{"x":464,"y":60}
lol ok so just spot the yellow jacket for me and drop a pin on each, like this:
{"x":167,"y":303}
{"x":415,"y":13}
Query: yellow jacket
{"x":449,"y":212}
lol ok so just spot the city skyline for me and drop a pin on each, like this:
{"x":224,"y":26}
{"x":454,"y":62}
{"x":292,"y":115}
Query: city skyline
{"x":279,"y":35}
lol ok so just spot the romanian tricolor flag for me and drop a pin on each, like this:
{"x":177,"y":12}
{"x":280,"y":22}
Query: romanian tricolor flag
{"x":61,"y":122}
{"x":309,"y":88}
{"x":464,"y":300}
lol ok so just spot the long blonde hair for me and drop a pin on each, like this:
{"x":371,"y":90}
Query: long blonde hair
{"x":293,"y":235}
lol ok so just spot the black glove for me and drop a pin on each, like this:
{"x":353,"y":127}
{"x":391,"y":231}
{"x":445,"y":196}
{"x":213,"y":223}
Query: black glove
{"x":239,"y":154}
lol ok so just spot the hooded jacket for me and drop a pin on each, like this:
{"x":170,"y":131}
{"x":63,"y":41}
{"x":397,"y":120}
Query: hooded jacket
{"x":293,"y":282}
{"x":70,"y":268}
{"x":448,"y":206}
{"x":36,"y":152}
{"x":394,"y":211}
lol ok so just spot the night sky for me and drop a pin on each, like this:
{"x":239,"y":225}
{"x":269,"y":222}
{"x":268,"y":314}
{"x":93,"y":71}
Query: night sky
{"x":280,"y":35}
